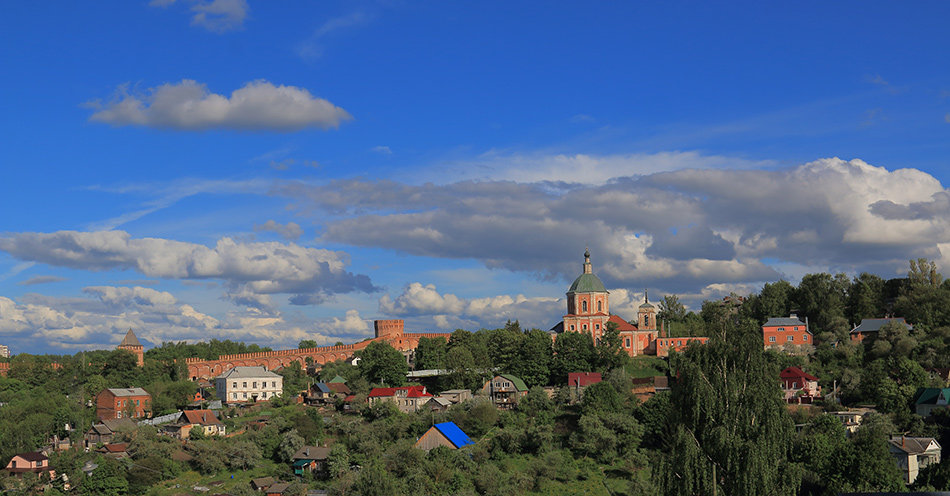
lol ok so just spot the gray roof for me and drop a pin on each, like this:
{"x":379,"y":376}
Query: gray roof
{"x":913,"y":445}
{"x":249,"y":372}
{"x":128,"y":392}
{"x":783,"y":321}
{"x":312,"y":453}
{"x":874,"y":325}
{"x":130,"y":339}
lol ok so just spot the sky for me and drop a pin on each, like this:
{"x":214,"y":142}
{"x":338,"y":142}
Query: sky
{"x":277,"y":171}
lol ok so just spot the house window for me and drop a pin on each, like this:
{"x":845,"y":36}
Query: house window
{"x":804,"y":337}
{"x":136,"y":402}
{"x":254,"y":384}
{"x":796,"y":328}
{"x":234,"y":395}
{"x":235,"y":385}
{"x":244,"y":384}
{"x":245,"y":395}
{"x":273,"y":384}
{"x":791,"y":339}
{"x":771,"y":339}
{"x":781,"y":328}
{"x":263,"y":395}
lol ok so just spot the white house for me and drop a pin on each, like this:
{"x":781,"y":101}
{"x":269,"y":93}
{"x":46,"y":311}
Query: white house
{"x":248,"y":384}
{"x":913,"y":454}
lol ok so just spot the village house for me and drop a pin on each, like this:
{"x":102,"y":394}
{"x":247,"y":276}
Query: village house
{"x":799,"y":386}
{"x":105,"y":432}
{"x":407,"y":399}
{"x":205,"y":420}
{"x":248,"y":384}
{"x":445,"y":434}
{"x":786,"y":333}
{"x":319,"y":393}
{"x":115,"y":450}
{"x":115,"y":403}
{"x":851,"y":419}
{"x":438,"y":404}
{"x":311,"y":459}
{"x":33,"y":462}
{"x":456,"y":396}
{"x":870,"y":327}
{"x":665,"y":345}
{"x":504,"y":390}
{"x":930,"y":399}
{"x":913,"y":454}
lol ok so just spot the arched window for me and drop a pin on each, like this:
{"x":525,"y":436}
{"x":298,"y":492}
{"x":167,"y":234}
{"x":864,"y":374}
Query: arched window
{"x":646,"y":321}
{"x":584,"y":306}
{"x":600,"y":306}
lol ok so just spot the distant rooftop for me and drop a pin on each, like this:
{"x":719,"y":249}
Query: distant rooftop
{"x":875,"y":325}
{"x":249,"y":372}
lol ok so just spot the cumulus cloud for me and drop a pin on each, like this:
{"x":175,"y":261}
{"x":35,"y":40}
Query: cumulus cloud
{"x":449,"y":311}
{"x":218,"y":16}
{"x":290,"y":231}
{"x":246,"y":268}
{"x":675,"y":230}
{"x":100,"y":319}
{"x":189,"y":105}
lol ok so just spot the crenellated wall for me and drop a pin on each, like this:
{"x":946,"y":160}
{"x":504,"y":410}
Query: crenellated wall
{"x":390,"y":331}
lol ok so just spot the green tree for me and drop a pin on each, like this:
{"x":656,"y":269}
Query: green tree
{"x":533,"y":364}
{"x":107,"y":480}
{"x":380,"y":363}
{"x":430,"y":353}
{"x":671,"y":310}
{"x":729,"y":426}
{"x":289,"y":444}
{"x":307,"y":343}
{"x":609,"y":351}
{"x":866,"y":297}
{"x":573,"y":352}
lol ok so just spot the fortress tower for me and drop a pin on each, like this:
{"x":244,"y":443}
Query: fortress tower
{"x":132,"y":344}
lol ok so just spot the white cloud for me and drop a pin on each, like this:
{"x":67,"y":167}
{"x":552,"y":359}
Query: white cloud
{"x":312,"y":48}
{"x":383,"y":150}
{"x":246,"y":268}
{"x":41,"y":280}
{"x":218,"y":16}
{"x":350,"y":324}
{"x":189,"y":105}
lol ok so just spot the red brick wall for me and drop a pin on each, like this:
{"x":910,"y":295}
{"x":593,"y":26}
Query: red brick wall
{"x":109,"y":406}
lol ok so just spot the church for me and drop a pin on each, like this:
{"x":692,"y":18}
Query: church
{"x":588,"y":312}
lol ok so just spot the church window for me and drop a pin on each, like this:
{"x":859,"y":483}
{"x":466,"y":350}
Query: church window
{"x":646,"y":321}
{"x":584,"y":306}
{"x":572,"y":327}
{"x":585,"y":327}
{"x":597,"y":326}
{"x":627,"y":343}
{"x":600,"y":306}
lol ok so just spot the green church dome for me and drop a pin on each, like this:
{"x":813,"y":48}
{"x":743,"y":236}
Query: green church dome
{"x":587,"y":283}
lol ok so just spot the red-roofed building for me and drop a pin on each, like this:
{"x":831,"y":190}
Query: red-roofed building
{"x":583,"y":379}
{"x":799,"y":386}
{"x":407,"y":399}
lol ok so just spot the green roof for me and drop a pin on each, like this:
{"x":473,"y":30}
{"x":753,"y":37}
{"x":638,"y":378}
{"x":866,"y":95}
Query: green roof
{"x":519,"y":384}
{"x":930,"y":396}
{"x":587,"y":283}
{"x":338,"y":379}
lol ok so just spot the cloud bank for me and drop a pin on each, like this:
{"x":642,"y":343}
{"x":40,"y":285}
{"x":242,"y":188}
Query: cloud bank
{"x":190,"y":106}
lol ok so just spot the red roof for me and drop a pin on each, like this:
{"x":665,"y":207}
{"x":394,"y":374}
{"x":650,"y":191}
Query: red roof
{"x":411,"y":392}
{"x":116,"y":447}
{"x":201,"y":417}
{"x":622,"y":325}
{"x":583,"y":378}
{"x":796,"y":373}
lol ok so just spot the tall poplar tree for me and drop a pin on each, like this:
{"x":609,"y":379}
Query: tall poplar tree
{"x":731,"y":433}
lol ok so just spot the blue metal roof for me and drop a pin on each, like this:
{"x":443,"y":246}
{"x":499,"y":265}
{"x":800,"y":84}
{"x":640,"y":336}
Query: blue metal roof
{"x":454,"y":434}
{"x":323,"y":387}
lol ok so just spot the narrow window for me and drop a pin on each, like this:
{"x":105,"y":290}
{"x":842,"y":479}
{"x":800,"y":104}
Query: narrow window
{"x":585,"y":327}
{"x":600,"y":306}
{"x":584,"y":306}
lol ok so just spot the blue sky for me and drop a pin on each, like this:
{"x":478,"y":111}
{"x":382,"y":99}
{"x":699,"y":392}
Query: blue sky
{"x":267,"y":172}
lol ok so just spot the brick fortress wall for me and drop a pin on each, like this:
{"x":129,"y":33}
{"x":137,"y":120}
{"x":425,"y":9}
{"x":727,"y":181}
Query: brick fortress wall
{"x":390,"y":331}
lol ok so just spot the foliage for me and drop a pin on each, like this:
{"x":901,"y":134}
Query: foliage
{"x":380,"y":363}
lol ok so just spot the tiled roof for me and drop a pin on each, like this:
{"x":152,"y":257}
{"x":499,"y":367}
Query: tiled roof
{"x":796,"y":373}
{"x":248,"y":372}
{"x":453,"y":434}
{"x":130,"y":339}
{"x":128,"y":392}
{"x":622,"y":325}
{"x":580,"y":379}
{"x":874,"y":325}
{"x":783,"y":321}
{"x":411,"y":392}
{"x":200,"y":417}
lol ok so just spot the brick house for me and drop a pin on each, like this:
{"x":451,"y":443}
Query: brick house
{"x":115,"y":403}
{"x":665,"y":345}
{"x":784,"y":331}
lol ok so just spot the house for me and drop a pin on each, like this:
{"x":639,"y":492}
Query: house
{"x":340,"y":389}
{"x":407,"y":399}
{"x":115,"y":450}
{"x":277,"y":489}
{"x":851,"y":419}
{"x":913,"y":454}
{"x":262,"y":483}
{"x":248,"y":384}
{"x":930,"y":399}
{"x":445,"y":434}
{"x":105,"y":431}
{"x":799,"y":386}
{"x":870,"y":327}
{"x":438,"y":404}
{"x":785,"y":332}
{"x":206,"y":420}
{"x":319,"y":393}
{"x":665,"y":345}
{"x":337,"y":380}
{"x":505,"y":390}
{"x":311,"y":459}
{"x":34,"y":462}
{"x":456,"y":395}
{"x":115,"y":403}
